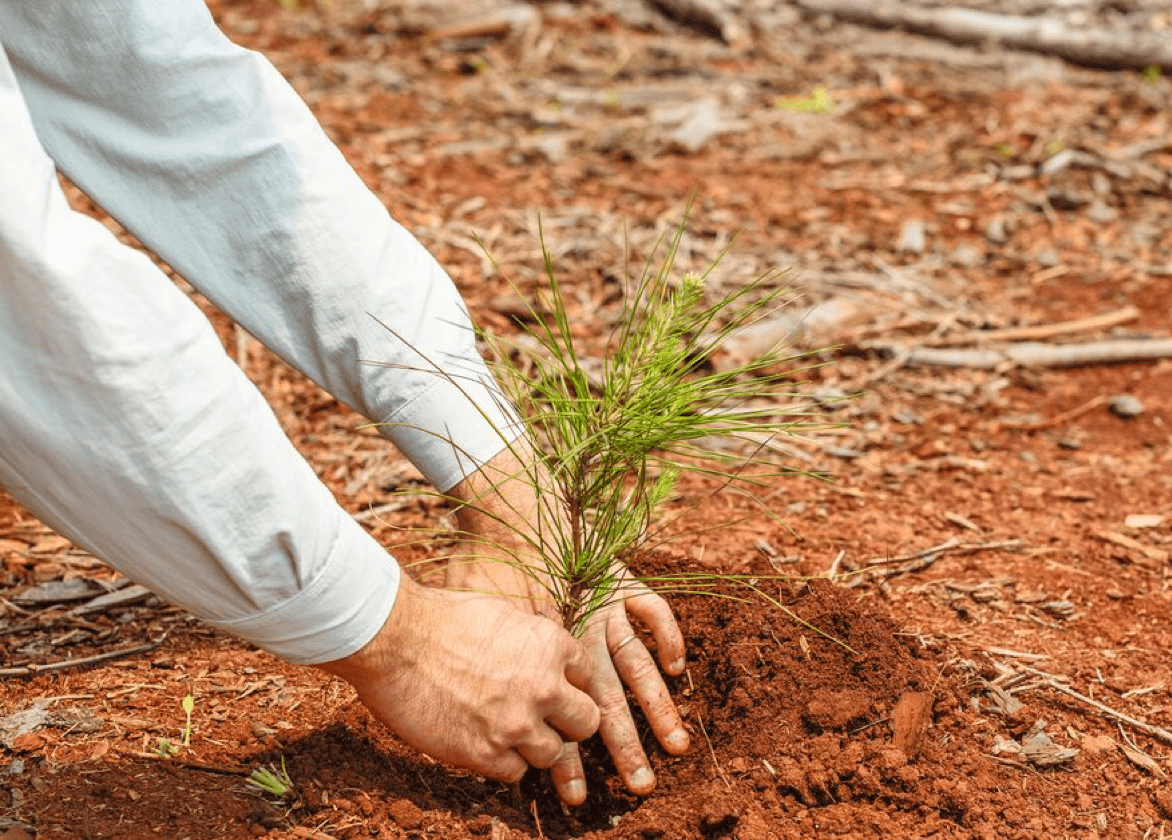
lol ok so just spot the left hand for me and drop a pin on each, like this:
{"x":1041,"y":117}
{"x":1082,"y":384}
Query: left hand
{"x":496,"y":560}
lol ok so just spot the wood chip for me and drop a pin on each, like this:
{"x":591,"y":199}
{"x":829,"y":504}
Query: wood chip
{"x":59,"y":591}
{"x":132,"y":594}
{"x":1143,"y":520}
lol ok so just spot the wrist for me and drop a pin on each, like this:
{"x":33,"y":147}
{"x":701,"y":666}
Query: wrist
{"x":393,"y":648}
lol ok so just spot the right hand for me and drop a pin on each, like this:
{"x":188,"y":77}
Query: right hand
{"x":470,"y":680}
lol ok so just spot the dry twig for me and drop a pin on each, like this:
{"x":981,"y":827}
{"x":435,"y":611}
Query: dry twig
{"x":1054,"y":682}
{"x":29,"y":670}
{"x":879,"y":568}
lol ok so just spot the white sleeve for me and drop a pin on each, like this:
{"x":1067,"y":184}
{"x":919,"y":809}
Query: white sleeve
{"x":125,"y":426}
{"x":202,"y":150}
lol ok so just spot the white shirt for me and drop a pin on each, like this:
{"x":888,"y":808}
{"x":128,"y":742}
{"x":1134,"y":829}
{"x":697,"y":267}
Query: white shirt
{"x":123,"y":424}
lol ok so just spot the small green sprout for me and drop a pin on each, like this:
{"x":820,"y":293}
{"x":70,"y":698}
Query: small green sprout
{"x":1151,"y":73}
{"x":818,"y":102}
{"x":188,"y":704}
{"x":272,"y":781}
{"x":166,"y":749}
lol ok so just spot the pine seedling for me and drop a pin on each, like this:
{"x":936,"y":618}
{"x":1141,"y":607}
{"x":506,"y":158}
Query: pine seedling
{"x":611,"y":441}
{"x":614,"y":442}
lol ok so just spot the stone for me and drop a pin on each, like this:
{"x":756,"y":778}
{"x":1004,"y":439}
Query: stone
{"x":1126,"y":406}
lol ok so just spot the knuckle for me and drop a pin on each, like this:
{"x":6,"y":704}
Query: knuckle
{"x":641,"y":669}
{"x":611,"y":703}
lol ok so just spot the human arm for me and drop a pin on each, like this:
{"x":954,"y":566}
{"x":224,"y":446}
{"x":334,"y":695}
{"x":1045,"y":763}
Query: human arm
{"x":203,"y":152}
{"x":124,"y":426}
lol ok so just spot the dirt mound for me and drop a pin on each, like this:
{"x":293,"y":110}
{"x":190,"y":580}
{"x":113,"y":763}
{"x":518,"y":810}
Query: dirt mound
{"x":817,"y":704}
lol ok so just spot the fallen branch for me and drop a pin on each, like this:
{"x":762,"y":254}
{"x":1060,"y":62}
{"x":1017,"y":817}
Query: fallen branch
{"x":1036,"y":354}
{"x":1091,"y":47}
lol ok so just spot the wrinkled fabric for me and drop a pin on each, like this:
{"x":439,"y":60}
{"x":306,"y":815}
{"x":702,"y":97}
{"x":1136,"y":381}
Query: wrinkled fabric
{"x":123,"y":424}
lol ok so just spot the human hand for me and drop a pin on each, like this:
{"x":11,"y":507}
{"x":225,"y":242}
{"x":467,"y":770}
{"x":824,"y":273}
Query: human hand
{"x":470,"y":680}
{"x":497,"y":559}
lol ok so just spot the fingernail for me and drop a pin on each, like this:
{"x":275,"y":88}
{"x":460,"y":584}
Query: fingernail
{"x":575,"y":792}
{"x":642,"y":779}
{"x":677,"y":667}
{"x":676,"y":741}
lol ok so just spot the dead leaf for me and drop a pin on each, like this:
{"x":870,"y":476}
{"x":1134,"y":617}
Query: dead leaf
{"x":1002,"y":702}
{"x":1142,"y":760}
{"x":1039,"y":749}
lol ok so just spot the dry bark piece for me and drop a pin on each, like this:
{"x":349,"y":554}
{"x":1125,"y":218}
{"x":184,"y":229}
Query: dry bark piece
{"x":909,"y":722}
{"x":811,"y":327}
{"x":59,"y":591}
{"x":1039,"y":749}
{"x":1002,"y":702}
{"x":132,"y":594}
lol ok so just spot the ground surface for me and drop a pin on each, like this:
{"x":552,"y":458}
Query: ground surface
{"x":1005,"y":591}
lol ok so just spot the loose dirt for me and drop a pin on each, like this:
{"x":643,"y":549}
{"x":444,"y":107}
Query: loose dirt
{"x":980,"y":524}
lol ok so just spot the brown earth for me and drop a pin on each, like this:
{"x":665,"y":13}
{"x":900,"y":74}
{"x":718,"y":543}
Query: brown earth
{"x":977,"y":520}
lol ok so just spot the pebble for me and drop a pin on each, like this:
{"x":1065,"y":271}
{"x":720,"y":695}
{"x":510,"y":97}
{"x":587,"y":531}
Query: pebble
{"x":912,"y":237}
{"x":1125,"y":406}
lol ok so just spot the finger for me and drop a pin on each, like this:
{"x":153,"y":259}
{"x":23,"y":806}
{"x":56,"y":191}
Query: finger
{"x":569,"y":779}
{"x":543,"y":748}
{"x":505,"y":767}
{"x":575,"y":715}
{"x":580,"y":666}
{"x":617,"y":729}
{"x":637,"y":669}
{"x":654,"y":611}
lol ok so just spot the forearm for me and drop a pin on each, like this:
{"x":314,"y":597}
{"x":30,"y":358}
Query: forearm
{"x":203,"y":151}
